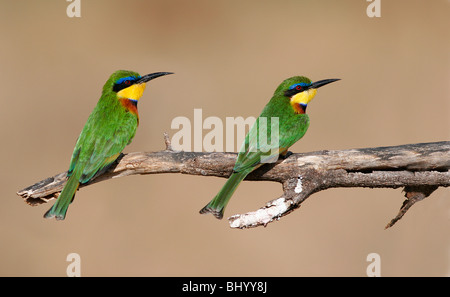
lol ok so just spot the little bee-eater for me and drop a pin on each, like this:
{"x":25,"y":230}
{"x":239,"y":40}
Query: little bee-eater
{"x":287,"y":112}
{"x":110,"y":127}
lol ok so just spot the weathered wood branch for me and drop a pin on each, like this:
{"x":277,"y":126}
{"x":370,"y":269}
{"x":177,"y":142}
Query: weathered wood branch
{"x":418,"y":168}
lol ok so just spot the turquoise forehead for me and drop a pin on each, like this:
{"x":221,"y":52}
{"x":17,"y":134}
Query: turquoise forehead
{"x":302,"y":84}
{"x":121,"y":80}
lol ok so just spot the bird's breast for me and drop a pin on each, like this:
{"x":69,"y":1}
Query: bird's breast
{"x":130,"y":105}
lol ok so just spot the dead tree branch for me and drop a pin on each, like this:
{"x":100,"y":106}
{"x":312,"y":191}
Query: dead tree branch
{"x":419,"y":168}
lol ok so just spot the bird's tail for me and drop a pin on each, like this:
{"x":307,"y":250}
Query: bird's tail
{"x":59,"y":209}
{"x":218,"y":204}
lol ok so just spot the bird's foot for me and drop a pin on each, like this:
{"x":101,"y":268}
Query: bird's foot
{"x":286,"y":155}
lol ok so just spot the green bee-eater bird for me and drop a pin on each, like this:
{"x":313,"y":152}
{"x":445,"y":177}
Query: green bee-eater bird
{"x":110,"y":127}
{"x":282,"y":122}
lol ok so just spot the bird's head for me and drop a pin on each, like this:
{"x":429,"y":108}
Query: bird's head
{"x":129,"y":84}
{"x":300,"y":91}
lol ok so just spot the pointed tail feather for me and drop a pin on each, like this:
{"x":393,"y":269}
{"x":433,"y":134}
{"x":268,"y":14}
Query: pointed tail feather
{"x":218,"y":204}
{"x":59,"y":209}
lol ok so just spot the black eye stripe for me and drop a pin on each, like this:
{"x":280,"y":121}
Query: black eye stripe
{"x":295,"y":89}
{"x":291,"y":92}
{"x":122,"y":85}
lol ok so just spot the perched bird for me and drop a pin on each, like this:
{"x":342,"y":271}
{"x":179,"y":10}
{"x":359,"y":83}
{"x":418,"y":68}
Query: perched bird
{"x":110,"y":127}
{"x":282,"y":122}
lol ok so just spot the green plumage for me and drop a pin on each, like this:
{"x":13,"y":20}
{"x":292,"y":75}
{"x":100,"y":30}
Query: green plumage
{"x":291,"y":127}
{"x":255,"y":152}
{"x":109,"y":128}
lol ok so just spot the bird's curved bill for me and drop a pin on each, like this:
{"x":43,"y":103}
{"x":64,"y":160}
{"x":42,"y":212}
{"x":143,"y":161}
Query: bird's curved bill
{"x":151,"y":76}
{"x":321,"y":83}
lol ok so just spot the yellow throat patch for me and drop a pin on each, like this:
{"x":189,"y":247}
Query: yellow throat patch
{"x":303,"y":97}
{"x":133,"y":92}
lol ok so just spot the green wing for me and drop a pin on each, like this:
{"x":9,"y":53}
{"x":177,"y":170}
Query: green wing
{"x":263,"y":144}
{"x":102,"y":140}
{"x":107,"y":131}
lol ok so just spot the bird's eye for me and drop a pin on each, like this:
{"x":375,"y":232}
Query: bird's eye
{"x":127,"y":82}
{"x":299,"y":87}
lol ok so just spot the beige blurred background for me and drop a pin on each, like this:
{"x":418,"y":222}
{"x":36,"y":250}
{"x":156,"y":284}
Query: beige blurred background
{"x":228,"y":56}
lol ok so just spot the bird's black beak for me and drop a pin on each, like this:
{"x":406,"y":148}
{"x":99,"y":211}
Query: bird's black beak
{"x":321,"y":83}
{"x":151,"y":76}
